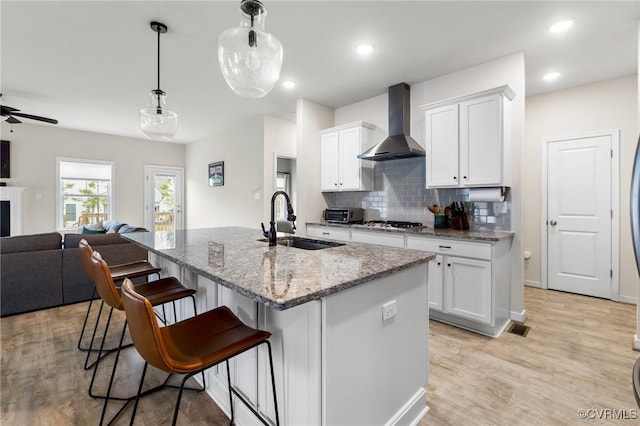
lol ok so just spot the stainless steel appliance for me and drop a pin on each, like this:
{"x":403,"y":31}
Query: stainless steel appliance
{"x":399,"y":144}
{"x":343,"y":214}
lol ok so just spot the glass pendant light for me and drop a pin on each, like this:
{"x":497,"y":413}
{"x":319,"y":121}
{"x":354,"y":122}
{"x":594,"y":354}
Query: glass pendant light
{"x":156,"y":121}
{"x":249,"y":57}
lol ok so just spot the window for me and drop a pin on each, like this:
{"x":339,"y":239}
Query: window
{"x":283,"y":183}
{"x":84,"y":192}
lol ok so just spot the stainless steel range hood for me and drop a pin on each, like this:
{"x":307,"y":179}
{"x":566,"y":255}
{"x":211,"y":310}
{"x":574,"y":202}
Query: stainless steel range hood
{"x":399,"y":144}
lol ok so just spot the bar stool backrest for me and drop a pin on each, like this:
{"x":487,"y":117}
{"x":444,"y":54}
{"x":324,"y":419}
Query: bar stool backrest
{"x":143,"y":328}
{"x":85,"y":256}
{"x":104,"y":283}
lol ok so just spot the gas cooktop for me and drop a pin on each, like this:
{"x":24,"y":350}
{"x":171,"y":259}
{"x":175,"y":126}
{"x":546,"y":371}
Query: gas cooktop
{"x":390,"y":224}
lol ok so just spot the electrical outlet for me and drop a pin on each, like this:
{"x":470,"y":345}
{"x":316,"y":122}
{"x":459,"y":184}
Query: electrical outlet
{"x":389,"y":310}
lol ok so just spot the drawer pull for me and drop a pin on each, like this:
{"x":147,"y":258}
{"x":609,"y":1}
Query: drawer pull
{"x":445,"y":247}
{"x":449,"y":265}
{"x":439,"y":263}
{"x":326,"y":233}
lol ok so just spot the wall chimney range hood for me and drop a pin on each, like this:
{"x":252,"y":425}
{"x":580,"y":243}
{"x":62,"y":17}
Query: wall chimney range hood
{"x":399,"y":144}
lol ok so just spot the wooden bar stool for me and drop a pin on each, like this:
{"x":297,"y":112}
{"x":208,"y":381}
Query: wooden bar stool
{"x":157,"y":292}
{"x":142,"y":268}
{"x":192,"y":345}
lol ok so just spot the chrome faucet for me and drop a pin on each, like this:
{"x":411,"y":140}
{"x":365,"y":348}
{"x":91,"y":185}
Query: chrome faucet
{"x":291,"y":217}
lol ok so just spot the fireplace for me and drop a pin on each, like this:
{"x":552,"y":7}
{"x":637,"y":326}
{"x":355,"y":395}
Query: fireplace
{"x":11,"y":210}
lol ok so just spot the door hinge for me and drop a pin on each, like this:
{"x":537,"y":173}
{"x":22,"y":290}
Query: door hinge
{"x":611,"y":153}
{"x":611,"y":213}
{"x":611,"y":273}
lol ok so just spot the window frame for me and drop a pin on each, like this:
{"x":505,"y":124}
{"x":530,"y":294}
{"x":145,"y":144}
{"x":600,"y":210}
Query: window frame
{"x":60,"y":193}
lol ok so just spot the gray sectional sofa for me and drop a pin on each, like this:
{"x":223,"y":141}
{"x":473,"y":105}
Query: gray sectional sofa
{"x":41,"y":271}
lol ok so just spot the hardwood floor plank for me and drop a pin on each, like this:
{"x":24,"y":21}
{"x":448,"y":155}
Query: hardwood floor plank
{"x":577,"y":355}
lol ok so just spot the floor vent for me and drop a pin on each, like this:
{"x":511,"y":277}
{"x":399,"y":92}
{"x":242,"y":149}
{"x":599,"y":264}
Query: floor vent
{"x":519,"y":329}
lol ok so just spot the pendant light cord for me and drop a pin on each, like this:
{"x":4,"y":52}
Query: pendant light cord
{"x":158,"y":91}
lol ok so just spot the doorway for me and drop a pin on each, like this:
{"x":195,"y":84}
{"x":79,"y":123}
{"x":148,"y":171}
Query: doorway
{"x":284,"y":180}
{"x":163,"y":198}
{"x":580,"y":211}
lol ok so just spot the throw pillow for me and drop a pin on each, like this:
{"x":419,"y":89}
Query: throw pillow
{"x":86,"y":230}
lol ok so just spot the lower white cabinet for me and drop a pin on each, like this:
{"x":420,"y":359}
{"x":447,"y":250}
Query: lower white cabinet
{"x":330,"y":232}
{"x":388,"y":239}
{"x":468,"y":282}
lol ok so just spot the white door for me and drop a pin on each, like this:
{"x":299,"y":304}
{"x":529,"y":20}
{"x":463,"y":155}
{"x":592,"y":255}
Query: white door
{"x":349,"y":162}
{"x":329,"y":153}
{"x":579,"y":215}
{"x":481,"y":141}
{"x":467,"y":288}
{"x":442,"y":134}
{"x":163,"y":198}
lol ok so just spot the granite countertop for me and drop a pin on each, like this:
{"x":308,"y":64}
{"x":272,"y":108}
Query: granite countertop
{"x":280,"y":277}
{"x":428,"y":231}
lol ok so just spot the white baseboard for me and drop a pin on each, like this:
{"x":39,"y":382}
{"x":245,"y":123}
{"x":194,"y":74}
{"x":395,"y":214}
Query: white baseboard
{"x":530,"y":283}
{"x":628,"y":299}
{"x":413,"y":410}
{"x":519,"y":316}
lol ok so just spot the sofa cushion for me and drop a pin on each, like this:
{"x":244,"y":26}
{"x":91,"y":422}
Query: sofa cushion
{"x":94,"y":240}
{"x":86,"y":230}
{"x":28,"y":243}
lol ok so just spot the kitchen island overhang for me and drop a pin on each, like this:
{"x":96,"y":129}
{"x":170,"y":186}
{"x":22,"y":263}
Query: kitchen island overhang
{"x":336,"y":359}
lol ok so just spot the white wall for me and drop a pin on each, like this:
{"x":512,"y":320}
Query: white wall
{"x":311,"y":117}
{"x":234,"y":204}
{"x":507,"y":70}
{"x":595,"y":107}
{"x":279,"y":138}
{"x":34,"y":149}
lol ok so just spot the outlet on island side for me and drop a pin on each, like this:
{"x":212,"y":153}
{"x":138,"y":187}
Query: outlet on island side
{"x":389,"y":310}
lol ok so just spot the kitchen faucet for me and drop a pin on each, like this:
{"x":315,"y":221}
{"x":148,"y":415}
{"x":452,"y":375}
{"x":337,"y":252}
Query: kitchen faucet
{"x":291,"y":217}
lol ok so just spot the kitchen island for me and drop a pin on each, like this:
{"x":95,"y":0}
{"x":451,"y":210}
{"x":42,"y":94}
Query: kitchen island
{"x":349,"y":323}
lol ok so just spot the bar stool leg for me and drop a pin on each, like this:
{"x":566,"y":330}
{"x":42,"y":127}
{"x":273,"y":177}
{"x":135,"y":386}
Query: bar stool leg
{"x":97,"y":362}
{"x":113,"y":373}
{"x":230,"y":393}
{"x":273,"y":383}
{"x":84,"y":325}
{"x":135,"y":405}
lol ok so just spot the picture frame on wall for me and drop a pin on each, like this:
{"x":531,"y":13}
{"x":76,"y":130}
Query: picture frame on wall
{"x":216,"y":173}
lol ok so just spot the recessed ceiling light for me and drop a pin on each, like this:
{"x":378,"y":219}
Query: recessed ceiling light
{"x":562,"y":26}
{"x":364,"y":49}
{"x":551,"y":76}
{"x":288,"y":84}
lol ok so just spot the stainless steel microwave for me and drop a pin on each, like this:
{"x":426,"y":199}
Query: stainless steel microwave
{"x":343,"y":215}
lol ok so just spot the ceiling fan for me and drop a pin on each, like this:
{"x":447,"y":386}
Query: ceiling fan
{"x":9,"y":114}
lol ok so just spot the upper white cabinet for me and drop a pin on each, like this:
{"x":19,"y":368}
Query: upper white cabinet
{"x":467,"y":140}
{"x":340,"y":168}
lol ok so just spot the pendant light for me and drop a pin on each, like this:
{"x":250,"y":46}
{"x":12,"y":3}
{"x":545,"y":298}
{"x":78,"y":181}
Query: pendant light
{"x":249,"y":57}
{"x":156,"y":121}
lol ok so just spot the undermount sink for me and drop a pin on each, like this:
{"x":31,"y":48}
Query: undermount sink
{"x":304,"y":243}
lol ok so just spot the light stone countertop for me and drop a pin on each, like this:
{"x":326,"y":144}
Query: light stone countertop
{"x":428,"y":231}
{"x":280,"y":277}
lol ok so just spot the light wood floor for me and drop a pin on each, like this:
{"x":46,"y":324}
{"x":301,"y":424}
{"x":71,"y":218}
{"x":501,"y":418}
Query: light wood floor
{"x":577,"y":355}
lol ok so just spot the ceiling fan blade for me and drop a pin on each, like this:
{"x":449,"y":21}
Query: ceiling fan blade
{"x":35,"y":117}
{"x":13,"y":120}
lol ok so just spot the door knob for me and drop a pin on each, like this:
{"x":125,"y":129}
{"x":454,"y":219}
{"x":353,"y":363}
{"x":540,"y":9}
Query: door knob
{"x":553,"y":223}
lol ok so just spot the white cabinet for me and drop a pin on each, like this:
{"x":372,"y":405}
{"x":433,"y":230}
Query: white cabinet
{"x":340,"y":168}
{"x":467,"y":140}
{"x":330,"y":232}
{"x":388,"y":239}
{"x":468,"y":282}
{"x":467,"y":288}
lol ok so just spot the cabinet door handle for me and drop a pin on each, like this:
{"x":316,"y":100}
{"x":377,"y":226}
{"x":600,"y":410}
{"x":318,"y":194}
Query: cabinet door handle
{"x":340,"y":183}
{"x":455,"y":178}
{"x":445,"y":247}
{"x":448,"y":264}
{"x":464,"y":177}
{"x":439,"y":263}
{"x":335,"y":184}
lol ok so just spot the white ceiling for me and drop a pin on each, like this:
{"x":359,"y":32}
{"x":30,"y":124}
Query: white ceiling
{"x":91,"y":64}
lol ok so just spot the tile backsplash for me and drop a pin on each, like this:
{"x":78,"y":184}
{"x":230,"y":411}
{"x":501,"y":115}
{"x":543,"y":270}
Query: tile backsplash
{"x":400,"y":194}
